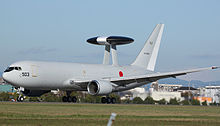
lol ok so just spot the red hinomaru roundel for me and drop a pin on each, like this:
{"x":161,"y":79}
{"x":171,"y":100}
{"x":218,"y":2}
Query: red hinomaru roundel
{"x":120,"y":73}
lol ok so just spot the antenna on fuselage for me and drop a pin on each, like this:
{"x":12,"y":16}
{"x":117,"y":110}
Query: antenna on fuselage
{"x":110,"y":45}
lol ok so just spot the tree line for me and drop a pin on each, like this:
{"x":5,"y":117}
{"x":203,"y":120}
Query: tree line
{"x":86,"y":98}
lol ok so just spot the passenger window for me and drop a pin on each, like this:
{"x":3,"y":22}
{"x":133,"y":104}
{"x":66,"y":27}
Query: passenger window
{"x":16,"y":68}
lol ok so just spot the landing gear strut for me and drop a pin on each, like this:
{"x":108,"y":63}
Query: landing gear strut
{"x":20,"y":98}
{"x":68,"y":98}
{"x":108,"y":100}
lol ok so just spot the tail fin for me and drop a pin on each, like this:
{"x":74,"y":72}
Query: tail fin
{"x":148,"y":55}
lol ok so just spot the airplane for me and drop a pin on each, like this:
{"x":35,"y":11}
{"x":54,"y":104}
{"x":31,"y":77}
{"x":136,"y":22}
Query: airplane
{"x":34,"y":78}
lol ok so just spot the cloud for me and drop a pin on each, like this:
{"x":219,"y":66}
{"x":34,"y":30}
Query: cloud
{"x":37,"y":50}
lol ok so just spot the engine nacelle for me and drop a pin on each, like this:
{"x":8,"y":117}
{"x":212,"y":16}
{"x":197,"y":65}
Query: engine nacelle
{"x":97,"y":87}
{"x":34,"y":93}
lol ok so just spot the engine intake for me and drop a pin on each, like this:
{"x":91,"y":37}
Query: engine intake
{"x":99,"y":87}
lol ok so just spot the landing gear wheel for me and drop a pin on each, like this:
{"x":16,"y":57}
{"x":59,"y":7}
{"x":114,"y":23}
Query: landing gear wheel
{"x":64,"y":99}
{"x":108,"y":100}
{"x":113,"y":100}
{"x":103,"y":100}
{"x":20,"y":98}
{"x":74,"y":99}
{"x":69,"y":99}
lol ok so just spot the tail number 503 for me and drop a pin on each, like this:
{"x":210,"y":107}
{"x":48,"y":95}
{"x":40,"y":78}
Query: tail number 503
{"x":25,"y":74}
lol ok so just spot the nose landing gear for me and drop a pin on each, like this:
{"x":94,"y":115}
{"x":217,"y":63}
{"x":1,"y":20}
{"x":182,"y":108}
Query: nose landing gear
{"x":20,"y":98}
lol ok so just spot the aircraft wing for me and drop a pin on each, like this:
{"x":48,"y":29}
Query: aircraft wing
{"x":141,"y":79}
{"x":155,"y":76}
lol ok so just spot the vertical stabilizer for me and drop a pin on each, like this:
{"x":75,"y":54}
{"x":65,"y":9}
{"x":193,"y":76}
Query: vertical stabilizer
{"x":106,"y":55}
{"x":114,"y":55}
{"x":148,"y":55}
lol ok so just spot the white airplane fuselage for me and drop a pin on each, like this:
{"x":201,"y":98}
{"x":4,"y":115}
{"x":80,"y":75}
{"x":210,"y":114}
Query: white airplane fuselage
{"x":58,"y":75}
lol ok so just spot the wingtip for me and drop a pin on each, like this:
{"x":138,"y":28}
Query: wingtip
{"x":215,"y":67}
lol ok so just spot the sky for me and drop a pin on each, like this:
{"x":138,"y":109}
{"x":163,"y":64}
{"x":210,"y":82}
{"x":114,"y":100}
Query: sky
{"x":56,"y":30}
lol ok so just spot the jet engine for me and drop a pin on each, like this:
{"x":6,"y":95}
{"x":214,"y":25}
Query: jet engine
{"x":34,"y":93}
{"x":97,"y":87}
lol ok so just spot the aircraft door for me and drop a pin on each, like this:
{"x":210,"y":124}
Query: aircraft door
{"x":34,"y":70}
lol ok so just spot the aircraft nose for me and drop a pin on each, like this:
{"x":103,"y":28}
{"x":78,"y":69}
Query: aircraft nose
{"x":5,"y":77}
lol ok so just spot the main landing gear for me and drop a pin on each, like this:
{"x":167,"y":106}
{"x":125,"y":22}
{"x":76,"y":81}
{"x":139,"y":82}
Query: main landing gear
{"x":68,"y":98}
{"x":108,"y":100}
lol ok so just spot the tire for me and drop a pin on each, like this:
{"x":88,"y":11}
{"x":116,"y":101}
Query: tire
{"x":113,"y":100}
{"x":108,"y":100}
{"x":64,"y":99}
{"x":18,"y":99}
{"x":21,"y":99}
{"x":69,"y":99}
{"x":103,"y":100}
{"x":74,"y":99}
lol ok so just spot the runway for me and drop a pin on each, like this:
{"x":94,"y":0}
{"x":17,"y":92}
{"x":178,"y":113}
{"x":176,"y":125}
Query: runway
{"x":37,"y":113}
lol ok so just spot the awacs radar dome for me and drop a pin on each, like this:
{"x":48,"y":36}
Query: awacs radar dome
{"x":111,"y":40}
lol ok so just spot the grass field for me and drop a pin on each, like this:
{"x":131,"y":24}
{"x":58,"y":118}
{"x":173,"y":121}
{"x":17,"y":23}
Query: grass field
{"x":60,"y":114}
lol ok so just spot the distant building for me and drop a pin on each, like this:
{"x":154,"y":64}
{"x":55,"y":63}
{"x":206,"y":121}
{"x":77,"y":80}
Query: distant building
{"x":187,"y":93}
{"x":158,"y":95}
{"x":186,"y":89}
{"x":203,"y":99}
{"x":136,"y":92}
{"x":164,"y":91}
{"x":165,"y":87}
{"x":126,"y":95}
{"x":212,"y":92}
{"x":139,"y":92}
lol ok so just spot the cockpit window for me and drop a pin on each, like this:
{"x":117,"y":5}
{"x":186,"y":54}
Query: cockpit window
{"x":9,"y":69}
{"x":19,"y":68}
{"x":13,"y":68}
